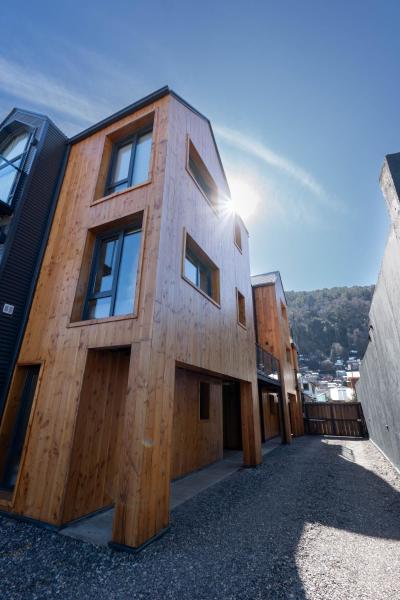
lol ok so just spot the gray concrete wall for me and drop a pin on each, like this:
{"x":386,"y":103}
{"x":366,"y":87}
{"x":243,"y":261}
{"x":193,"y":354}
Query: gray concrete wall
{"x":379,"y":387}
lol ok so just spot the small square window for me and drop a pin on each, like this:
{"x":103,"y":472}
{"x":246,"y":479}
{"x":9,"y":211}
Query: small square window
{"x":204,"y":401}
{"x":241,"y":308}
{"x":199,"y":270}
{"x":238,"y":233}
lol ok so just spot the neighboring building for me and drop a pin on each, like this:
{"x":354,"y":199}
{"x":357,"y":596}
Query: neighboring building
{"x":310,"y":391}
{"x":138,"y":362}
{"x":31,"y":153}
{"x":379,"y":385}
{"x":340,"y":394}
{"x":277,"y":364}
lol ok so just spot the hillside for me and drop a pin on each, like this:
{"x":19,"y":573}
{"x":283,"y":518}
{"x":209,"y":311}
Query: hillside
{"x":328,"y":323}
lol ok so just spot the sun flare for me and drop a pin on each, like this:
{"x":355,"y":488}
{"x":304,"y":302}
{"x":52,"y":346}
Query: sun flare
{"x":245,"y":198}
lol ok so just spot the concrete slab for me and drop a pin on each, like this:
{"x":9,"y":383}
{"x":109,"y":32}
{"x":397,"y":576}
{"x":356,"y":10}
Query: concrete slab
{"x":97,"y":529}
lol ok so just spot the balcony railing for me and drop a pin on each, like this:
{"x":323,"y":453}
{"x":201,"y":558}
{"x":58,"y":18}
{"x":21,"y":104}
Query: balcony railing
{"x":267,"y":365}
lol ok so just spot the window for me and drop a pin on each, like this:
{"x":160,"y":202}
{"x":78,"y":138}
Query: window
{"x":199,"y":270}
{"x":201,"y":176}
{"x":288,"y":355}
{"x":15,"y":423}
{"x":204,"y":401}
{"x":112,"y":283}
{"x":238,"y":233}
{"x":241,"y":308}
{"x":11,"y":158}
{"x":130,"y":164}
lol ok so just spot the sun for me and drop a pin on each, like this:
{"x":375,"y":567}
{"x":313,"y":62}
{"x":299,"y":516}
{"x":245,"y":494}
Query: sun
{"x":245,"y":198}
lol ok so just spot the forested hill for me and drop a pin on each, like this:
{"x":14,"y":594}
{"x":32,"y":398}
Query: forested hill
{"x":328,"y":323}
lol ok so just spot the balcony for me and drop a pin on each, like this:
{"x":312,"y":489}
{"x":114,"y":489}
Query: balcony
{"x":267,"y":366}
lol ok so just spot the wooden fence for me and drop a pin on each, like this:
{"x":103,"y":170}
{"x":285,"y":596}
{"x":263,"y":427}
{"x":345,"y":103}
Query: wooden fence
{"x":334,"y":418}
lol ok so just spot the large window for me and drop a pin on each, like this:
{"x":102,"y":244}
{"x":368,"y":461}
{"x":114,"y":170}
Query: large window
{"x":201,"y":176}
{"x":130,"y":164}
{"x":112,"y":284}
{"x":11,"y":158}
{"x":199,"y":270}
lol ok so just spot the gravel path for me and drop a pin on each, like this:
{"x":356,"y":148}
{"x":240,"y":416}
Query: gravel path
{"x":319,"y":519}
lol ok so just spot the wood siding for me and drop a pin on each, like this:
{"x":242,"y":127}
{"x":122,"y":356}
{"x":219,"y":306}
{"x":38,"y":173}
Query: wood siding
{"x":174,"y":323}
{"x":273,"y":335}
{"x":335,"y":418}
{"x":195,"y":442}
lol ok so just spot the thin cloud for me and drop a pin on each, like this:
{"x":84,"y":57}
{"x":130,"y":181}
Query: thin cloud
{"x":28,"y":85}
{"x":262,"y":152}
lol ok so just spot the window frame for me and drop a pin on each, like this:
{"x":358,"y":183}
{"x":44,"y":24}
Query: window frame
{"x":15,"y":132}
{"x":131,"y":139}
{"x":203,"y":259}
{"x":239,"y":297}
{"x":204,"y":173}
{"x":119,"y":234}
{"x":237,"y":228}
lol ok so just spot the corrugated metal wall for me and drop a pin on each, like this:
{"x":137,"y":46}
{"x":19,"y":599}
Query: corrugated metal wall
{"x":27,"y":227}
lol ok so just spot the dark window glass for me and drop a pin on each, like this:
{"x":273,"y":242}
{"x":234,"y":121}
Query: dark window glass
{"x":200,"y":270}
{"x":130,"y":163}
{"x":11,"y":157}
{"x":114,"y":275}
{"x":238,"y":234}
{"x":241,"y":307}
{"x":201,"y":175}
{"x":204,"y":401}
{"x":18,"y":427}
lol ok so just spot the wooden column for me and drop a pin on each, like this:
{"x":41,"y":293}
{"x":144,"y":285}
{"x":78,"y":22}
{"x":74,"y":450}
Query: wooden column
{"x":251,"y":432}
{"x":142,"y":499}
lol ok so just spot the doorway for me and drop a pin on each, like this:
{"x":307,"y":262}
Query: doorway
{"x":15,"y":422}
{"x":93,"y":472}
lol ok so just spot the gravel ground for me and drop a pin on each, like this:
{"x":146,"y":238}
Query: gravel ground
{"x":319,"y":519}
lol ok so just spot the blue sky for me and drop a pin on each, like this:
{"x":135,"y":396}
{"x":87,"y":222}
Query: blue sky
{"x":303,"y":97}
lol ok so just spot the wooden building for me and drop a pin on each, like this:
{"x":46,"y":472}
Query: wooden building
{"x":378,"y":388}
{"x":138,"y":361}
{"x":31,"y":152}
{"x":277,"y":365}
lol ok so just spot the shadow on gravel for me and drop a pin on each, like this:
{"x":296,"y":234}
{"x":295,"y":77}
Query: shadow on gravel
{"x":237,"y":540}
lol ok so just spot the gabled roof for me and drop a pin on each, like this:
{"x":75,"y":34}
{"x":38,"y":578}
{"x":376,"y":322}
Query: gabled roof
{"x":16,"y":110}
{"x":265,"y":278}
{"x":270,"y":278}
{"x":128,"y":110}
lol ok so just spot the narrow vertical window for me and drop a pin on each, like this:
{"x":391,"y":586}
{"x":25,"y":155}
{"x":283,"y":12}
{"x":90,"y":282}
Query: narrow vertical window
{"x":201,"y":176}
{"x":15,"y":423}
{"x":238,"y":233}
{"x":241,"y":308}
{"x":204,"y":401}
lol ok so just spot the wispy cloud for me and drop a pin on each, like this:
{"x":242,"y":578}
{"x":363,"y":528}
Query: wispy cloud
{"x":262,"y":152}
{"x":32,"y":86}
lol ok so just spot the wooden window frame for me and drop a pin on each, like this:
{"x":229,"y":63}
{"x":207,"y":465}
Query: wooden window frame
{"x":237,"y":228}
{"x":132,"y":139}
{"x":208,"y":401}
{"x":204,"y":259}
{"x":241,"y":298}
{"x":119,"y":233}
{"x":191,"y":151}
